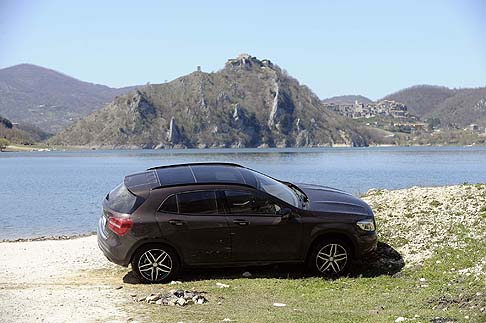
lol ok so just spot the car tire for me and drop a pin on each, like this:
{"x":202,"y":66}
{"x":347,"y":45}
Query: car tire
{"x":330,"y":258}
{"x":155,"y":264}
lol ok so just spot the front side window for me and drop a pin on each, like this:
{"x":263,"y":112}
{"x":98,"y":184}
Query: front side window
{"x":273,"y":187}
{"x":244,"y":202}
{"x":198,"y":202}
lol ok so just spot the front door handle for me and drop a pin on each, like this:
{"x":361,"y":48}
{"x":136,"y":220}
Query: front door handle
{"x":176,"y":222}
{"x":241,"y":222}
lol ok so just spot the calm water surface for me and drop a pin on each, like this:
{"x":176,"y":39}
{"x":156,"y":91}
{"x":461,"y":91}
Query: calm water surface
{"x":53,"y":193}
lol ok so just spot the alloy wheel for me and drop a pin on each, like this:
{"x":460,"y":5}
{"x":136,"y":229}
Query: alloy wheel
{"x":331,"y":258}
{"x":155,"y":264}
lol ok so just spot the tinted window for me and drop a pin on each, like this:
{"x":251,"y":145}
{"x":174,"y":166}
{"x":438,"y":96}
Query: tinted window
{"x":170,"y":205}
{"x":216,"y":174}
{"x":200,"y":202}
{"x":120,"y":199}
{"x":243,"y":202}
{"x":175,"y":175}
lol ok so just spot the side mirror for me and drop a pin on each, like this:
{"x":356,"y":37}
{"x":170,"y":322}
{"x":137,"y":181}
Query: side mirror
{"x":284,"y":212}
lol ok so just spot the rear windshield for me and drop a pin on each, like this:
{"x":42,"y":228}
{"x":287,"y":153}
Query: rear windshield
{"x":121,"y":200}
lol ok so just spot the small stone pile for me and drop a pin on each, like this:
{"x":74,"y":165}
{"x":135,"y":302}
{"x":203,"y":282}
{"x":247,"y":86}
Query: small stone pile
{"x":175,"y":297}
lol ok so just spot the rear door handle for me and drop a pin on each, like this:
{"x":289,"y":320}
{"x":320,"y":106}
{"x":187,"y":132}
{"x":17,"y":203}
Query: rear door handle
{"x":241,"y":222}
{"x":176,"y":222}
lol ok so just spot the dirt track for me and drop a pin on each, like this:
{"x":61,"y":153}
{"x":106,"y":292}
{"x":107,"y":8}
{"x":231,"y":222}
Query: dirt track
{"x":47,"y":281}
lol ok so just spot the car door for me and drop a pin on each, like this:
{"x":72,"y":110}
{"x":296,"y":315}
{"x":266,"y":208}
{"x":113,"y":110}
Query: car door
{"x":193,"y":223}
{"x":258,"y":231}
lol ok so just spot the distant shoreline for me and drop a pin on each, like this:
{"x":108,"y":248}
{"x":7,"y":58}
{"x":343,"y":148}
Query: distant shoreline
{"x":44,"y":148}
{"x":52,"y":237}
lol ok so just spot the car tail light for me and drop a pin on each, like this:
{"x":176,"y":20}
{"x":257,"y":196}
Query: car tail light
{"x":120,"y":225}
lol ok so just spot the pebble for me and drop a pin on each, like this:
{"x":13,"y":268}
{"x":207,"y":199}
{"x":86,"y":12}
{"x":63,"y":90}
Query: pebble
{"x":221,"y":285}
{"x":246,"y":274}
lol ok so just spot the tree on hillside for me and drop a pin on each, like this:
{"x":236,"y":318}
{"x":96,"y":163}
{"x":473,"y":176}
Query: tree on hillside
{"x":3,"y":143}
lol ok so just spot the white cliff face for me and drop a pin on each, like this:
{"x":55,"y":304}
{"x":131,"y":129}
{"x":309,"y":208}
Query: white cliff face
{"x":236,"y":112}
{"x":173,"y":135}
{"x":272,"y":120}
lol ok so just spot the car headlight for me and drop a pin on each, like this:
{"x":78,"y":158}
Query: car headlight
{"x":366,"y":225}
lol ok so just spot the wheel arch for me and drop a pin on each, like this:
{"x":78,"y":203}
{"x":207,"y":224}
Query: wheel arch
{"x":329,"y":235}
{"x":154,"y":242}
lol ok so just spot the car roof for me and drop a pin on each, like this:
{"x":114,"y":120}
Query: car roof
{"x":204,"y":173}
{"x":189,"y":174}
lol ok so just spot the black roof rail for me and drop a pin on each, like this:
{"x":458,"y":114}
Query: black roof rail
{"x":202,"y":184}
{"x":196,"y":164}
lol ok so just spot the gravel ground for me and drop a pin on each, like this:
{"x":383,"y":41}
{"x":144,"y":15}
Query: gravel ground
{"x":45,"y":281}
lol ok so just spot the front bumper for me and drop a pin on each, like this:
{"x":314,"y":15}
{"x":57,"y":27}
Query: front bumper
{"x":365,"y":244}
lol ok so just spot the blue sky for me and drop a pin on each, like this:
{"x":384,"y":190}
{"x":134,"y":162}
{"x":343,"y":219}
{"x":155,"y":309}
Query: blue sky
{"x":335,"y":47}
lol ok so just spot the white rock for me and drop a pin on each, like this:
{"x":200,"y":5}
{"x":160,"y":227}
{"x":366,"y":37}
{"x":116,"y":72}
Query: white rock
{"x":221,"y":285}
{"x":279,"y":304}
{"x":422,"y":279}
{"x":400,"y":319}
{"x":181,"y":301}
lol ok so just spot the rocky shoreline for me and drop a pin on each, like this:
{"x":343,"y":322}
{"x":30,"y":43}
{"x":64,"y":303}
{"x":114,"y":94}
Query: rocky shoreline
{"x":53,"y":237}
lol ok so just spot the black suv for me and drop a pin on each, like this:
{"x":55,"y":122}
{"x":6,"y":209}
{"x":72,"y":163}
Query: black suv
{"x":210,"y":214}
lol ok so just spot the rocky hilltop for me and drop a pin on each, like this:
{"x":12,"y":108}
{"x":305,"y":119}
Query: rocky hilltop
{"x":248,"y":103}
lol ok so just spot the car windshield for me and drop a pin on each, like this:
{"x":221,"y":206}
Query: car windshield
{"x":277,"y":189}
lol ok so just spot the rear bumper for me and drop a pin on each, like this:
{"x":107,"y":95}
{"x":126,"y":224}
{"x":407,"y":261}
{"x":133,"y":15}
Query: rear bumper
{"x":365,"y":244}
{"x":111,"y":247}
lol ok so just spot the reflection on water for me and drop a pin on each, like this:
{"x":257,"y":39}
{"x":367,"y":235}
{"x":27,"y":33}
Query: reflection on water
{"x":44,"y":193}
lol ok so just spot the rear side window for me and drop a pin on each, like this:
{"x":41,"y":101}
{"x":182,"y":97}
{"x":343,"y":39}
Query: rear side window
{"x":170,"y":205}
{"x":200,"y":202}
{"x":121,"y":200}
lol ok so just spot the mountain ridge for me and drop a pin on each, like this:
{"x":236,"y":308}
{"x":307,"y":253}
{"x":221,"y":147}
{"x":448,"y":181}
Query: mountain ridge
{"x":454,"y":108}
{"x":47,"y":98}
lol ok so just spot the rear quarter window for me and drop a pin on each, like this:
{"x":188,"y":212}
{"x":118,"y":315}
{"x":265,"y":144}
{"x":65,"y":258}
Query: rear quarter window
{"x":121,"y":200}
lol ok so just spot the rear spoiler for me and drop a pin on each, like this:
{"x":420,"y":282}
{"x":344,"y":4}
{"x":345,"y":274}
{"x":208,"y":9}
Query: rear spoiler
{"x":140,"y":184}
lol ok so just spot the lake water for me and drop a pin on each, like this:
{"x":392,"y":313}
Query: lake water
{"x":55,"y":193}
